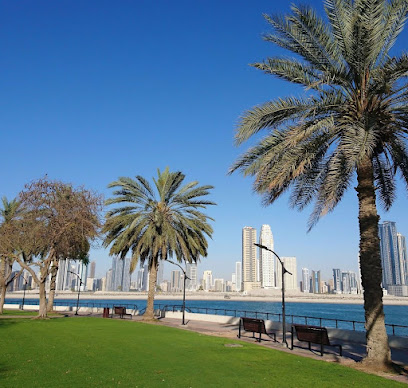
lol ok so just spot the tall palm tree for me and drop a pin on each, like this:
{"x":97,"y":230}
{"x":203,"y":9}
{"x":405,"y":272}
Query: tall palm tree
{"x":156,"y":226}
{"x":351,"y":121}
{"x":9,"y":212}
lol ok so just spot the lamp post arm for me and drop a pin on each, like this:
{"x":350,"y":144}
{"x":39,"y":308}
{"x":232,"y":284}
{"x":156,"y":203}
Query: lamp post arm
{"x":178,"y":265}
{"x":277,"y":256}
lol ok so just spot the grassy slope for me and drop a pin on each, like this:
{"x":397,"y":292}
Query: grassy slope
{"x":90,"y":352}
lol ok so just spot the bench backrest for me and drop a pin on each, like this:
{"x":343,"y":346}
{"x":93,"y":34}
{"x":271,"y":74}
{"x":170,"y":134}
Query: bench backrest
{"x":120,"y":310}
{"x":254,"y":325}
{"x":315,"y":334}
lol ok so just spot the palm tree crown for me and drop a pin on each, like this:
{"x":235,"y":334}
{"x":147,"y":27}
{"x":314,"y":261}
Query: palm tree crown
{"x":356,"y":107}
{"x":10,"y":210}
{"x":158,"y":225}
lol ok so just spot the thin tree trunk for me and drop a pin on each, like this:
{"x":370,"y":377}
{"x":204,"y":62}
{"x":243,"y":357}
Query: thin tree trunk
{"x":2,"y":295}
{"x":5,"y":271}
{"x":42,"y":312}
{"x":51,"y":294}
{"x":2,"y":283}
{"x":378,"y":350}
{"x":149,"y":314}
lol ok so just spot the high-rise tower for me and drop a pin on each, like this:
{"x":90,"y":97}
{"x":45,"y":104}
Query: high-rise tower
{"x":391,"y":259}
{"x":266,"y":258}
{"x":290,"y":280}
{"x":191,"y":272}
{"x":249,"y":259}
{"x":238,"y":276}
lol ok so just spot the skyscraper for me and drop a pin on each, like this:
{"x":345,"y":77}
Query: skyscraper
{"x":63,"y":281}
{"x":146,"y":277}
{"x":92,"y":267}
{"x":238,"y":276}
{"x":191,"y":272}
{"x":120,"y":274}
{"x":266,"y":258}
{"x":403,"y":259}
{"x":175,"y":281}
{"x":305,"y":279}
{"x":290,"y":280}
{"x":249,"y":259}
{"x":316,"y":282}
{"x":207,"y":279}
{"x":337,"y":281}
{"x":82,"y":271}
{"x":392,"y":260}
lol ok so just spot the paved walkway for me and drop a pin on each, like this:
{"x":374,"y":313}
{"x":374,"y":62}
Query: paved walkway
{"x":351,"y":351}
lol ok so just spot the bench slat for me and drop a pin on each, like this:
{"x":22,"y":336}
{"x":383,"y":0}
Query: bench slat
{"x":313,"y":334}
{"x":255,"y":325}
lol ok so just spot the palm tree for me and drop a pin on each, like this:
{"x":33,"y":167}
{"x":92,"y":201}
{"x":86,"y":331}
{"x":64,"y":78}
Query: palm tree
{"x":9,"y":212}
{"x":157,"y":226}
{"x":352,"y":121}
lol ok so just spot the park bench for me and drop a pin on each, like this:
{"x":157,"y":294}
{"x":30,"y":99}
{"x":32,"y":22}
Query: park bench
{"x":121,"y":311}
{"x":313,"y":334}
{"x":255,"y":326}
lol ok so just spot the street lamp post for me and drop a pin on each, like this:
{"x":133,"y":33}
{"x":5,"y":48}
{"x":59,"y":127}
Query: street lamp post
{"x":79,"y":289}
{"x":184,"y":289}
{"x":284,"y":270}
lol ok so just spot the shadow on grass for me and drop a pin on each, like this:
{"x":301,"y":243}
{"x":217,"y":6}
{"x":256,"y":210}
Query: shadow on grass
{"x":9,"y":321}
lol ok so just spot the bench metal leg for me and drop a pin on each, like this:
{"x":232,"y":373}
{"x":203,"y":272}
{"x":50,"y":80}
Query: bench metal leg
{"x":291,"y":339}
{"x":239,"y":330}
{"x":321,"y":349}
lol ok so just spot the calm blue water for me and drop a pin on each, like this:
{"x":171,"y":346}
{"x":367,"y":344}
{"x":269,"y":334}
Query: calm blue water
{"x":396,"y":315}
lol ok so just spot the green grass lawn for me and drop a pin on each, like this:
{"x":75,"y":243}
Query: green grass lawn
{"x":94,"y":352}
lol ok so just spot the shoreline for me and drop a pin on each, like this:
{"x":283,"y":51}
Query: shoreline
{"x":206,"y":296}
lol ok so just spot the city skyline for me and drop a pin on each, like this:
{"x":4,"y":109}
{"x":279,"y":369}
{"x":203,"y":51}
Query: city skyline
{"x":79,"y":103}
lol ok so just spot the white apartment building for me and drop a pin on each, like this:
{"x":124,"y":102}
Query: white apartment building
{"x":266,"y":258}
{"x":249,"y":263}
{"x":290,"y":280}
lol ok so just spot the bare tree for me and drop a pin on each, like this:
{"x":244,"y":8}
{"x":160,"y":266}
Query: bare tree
{"x":59,"y":220}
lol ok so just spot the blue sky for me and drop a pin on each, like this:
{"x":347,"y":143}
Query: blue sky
{"x":94,"y":90}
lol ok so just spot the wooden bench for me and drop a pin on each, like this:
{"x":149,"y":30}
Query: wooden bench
{"x":313,"y":334}
{"x":121,"y":311}
{"x":255,"y":326}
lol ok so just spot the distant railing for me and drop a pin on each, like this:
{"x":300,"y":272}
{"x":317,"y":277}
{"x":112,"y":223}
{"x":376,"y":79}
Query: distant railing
{"x":71,"y":303}
{"x":393,"y":329}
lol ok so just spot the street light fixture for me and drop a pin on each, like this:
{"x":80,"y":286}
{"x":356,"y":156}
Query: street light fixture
{"x":284,"y":270}
{"x":79,"y":289}
{"x":184,"y":289}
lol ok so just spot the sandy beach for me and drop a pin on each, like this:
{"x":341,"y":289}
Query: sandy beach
{"x":230,"y":296}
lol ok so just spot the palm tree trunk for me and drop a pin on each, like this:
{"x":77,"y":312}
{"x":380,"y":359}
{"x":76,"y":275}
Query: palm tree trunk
{"x":149,"y":314}
{"x":378,"y":350}
{"x":51,"y":295}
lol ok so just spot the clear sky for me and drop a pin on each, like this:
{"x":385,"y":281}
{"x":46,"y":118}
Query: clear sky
{"x":94,"y":90}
